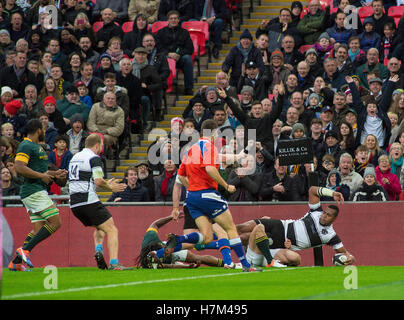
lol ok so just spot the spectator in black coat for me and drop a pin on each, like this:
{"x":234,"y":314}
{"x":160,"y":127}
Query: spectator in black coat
{"x":199,"y":113}
{"x":239,"y":55}
{"x":146,"y":178}
{"x":370,"y":190}
{"x":175,"y":42}
{"x":17,"y":28}
{"x":185,"y":9}
{"x":108,"y":30}
{"x":134,"y":192}
{"x":260,"y":82}
{"x":87,"y":76}
{"x":17,"y":76}
{"x":291,"y":54}
{"x":276,"y":185}
{"x":134,"y":38}
{"x":379,"y":17}
{"x":164,"y":183}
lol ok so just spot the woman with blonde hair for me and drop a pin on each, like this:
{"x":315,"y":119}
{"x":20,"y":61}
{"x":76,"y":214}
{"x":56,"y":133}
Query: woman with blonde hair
{"x":50,"y":88}
{"x":115,"y":51}
{"x":374,"y":149}
{"x":397,"y":107}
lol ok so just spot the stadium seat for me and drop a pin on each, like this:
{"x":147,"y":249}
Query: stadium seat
{"x":127,"y":26}
{"x":201,"y":30}
{"x":173,"y":74}
{"x":97,"y":26}
{"x":196,"y":55}
{"x":396,"y":11}
{"x":158,"y":25}
{"x":364,"y":12}
{"x":397,"y":20}
{"x":305,"y":47}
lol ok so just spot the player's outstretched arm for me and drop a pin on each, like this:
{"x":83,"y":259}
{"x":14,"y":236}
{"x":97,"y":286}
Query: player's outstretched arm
{"x":161,"y":222}
{"x":315,"y":193}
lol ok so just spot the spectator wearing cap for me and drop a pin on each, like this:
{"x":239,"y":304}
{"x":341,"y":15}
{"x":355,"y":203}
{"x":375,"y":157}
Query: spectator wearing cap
{"x":199,"y":113}
{"x":369,"y":38}
{"x":326,"y":116}
{"x":316,"y":68}
{"x":351,"y":117}
{"x":331,"y":145}
{"x":259,"y":82}
{"x":370,"y":190}
{"x":277,"y":69}
{"x":296,"y":9}
{"x":209,"y":95}
{"x":175,"y":43}
{"x":6,"y":95}
{"x":146,"y":178}
{"x":338,"y":33}
{"x":5,"y":42}
{"x":324,"y":46}
{"x":54,"y":115}
{"x":278,"y":27}
{"x":17,"y":76}
{"x":122,"y":98}
{"x":83,"y":93}
{"x":375,"y":88}
{"x":216,"y":14}
{"x":77,"y":134}
{"x":104,"y":66}
{"x":239,"y":55}
{"x":71,"y":105}
{"x":313,"y":23}
{"x":150,"y":82}
{"x":109,"y":28}
{"x":10,"y":114}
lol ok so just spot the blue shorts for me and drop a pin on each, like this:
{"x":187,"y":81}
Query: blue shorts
{"x":205,"y":202}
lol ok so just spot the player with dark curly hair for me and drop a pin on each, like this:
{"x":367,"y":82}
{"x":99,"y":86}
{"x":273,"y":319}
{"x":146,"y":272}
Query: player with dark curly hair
{"x":151,"y":243}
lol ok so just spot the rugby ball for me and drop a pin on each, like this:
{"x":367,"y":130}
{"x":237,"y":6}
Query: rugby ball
{"x":339,"y":259}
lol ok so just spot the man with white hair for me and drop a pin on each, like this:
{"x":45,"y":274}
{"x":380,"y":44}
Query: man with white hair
{"x":348,"y":176}
{"x":31,"y":104}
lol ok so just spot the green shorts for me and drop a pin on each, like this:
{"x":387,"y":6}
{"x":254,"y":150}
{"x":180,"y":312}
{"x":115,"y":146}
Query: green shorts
{"x":37,"y":205}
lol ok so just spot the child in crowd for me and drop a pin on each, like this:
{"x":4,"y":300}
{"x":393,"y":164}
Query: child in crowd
{"x":83,"y":93}
{"x":369,"y":38}
{"x":361,"y":160}
{"x":323,"y":47}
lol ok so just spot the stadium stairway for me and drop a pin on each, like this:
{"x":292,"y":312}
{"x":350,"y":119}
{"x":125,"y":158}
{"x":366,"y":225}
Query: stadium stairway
{"x":252,"y":17}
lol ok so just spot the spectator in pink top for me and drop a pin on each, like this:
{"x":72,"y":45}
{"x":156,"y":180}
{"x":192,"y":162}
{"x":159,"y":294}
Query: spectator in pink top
{"x":386,"y":178}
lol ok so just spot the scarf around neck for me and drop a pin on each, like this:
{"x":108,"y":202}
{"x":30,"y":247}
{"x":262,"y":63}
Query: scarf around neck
{"x":137,"y":67}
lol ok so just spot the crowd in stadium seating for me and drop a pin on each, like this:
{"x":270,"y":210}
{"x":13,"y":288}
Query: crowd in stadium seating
{"x":104,"y":66}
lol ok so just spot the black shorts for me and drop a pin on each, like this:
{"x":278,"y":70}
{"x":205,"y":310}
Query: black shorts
{"x":93,"y":214}
{"x":274,"y":229}
{"x":189,"y":222}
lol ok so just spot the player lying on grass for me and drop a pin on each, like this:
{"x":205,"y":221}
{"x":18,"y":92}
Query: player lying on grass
{"x":151,"y":243}
{"x":269,"y":239}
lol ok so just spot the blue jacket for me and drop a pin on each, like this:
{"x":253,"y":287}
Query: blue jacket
{"x":341,"y":35}
{"x":369,"y":40}
{"x":66,"y":157}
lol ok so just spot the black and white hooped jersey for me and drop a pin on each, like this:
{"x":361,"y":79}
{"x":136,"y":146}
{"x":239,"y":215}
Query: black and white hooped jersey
{"x":307,"y":232}
{"x":83,"y":168}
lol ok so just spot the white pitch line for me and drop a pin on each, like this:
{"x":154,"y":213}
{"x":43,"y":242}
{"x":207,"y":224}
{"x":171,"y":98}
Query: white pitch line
{"x":135,"y":283}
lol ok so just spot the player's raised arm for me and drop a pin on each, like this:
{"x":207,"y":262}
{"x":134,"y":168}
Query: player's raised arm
{"x":315,"y":193}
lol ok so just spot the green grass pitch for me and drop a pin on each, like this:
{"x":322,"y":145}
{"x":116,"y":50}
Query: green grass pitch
{"x":305,"y":283}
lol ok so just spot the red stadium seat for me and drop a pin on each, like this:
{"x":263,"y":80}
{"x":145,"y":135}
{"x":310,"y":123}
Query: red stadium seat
{"x":201,"y":30}
{"x":364,"y":12}
{"x":158,"y":25}
{"x":305,"y":47}
{"x":173,"y":73}
{"x":127,"y":26}
{"x":97,"y":26}
{"x":397,"y":20}
{"x":396,"y":11}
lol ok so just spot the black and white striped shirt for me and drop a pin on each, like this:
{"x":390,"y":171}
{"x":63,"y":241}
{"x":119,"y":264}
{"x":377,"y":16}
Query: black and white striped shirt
{"x":307,"y":232}
{"x":83,"y":168}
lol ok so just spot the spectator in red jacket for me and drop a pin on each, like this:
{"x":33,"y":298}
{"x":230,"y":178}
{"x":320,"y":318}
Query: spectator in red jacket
{"x":386,"y":178}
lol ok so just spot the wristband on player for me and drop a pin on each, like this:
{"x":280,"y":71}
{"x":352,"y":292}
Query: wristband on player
{"x":324,"y":192}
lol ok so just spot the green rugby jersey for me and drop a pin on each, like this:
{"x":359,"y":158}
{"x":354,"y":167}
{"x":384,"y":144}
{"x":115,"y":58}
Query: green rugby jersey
{"x":36,"y":159}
